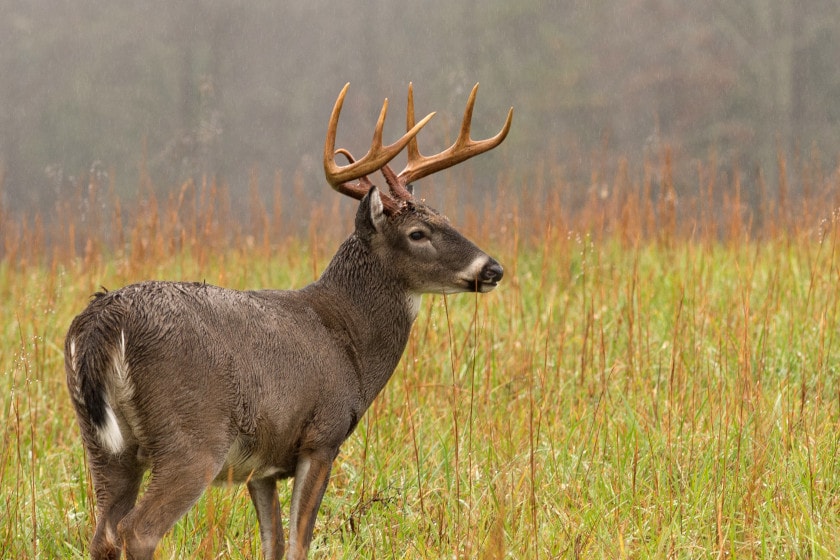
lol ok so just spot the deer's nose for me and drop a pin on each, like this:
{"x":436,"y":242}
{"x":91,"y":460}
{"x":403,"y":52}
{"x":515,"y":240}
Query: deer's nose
{"x":491,"y":272}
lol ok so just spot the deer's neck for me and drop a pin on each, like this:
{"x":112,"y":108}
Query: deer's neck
{"x":368,"y":307}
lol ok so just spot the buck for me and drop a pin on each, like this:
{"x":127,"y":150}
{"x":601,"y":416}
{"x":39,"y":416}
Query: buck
{"x":199,"y":384}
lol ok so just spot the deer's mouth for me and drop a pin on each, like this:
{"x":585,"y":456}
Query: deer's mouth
{"x":487,"y":286}
{"x":480,"y":286}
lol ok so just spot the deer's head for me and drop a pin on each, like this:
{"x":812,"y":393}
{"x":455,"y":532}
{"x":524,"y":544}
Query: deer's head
{"x":418,"y":244}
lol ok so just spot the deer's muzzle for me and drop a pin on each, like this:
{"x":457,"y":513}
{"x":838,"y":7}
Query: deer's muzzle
{"x":489,"y":276}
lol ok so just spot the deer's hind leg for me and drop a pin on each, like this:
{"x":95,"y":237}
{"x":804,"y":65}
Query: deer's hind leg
{"x":116,"y":481}
{"x":176,"y":483}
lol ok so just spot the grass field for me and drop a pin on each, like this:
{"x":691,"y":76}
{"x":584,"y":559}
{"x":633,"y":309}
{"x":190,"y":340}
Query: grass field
{"x":658,"y":376}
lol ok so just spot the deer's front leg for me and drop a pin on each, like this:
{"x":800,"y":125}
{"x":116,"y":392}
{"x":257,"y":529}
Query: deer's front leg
{"x":311,"y":477}
{"x":263,"y":493}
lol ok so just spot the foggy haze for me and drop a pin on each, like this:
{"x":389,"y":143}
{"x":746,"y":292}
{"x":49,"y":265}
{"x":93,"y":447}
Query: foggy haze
{"x":199,"y":88}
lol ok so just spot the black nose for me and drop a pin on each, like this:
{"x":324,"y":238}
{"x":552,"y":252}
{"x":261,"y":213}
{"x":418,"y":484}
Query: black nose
{"x":492,"y":272}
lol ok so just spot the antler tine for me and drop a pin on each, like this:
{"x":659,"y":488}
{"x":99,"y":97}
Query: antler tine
{"x":397,"y":184}
{"x":463,"y":148}
{"x":376,"y":157}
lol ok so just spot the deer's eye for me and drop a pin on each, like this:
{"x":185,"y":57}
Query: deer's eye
{"x":416,"y":235}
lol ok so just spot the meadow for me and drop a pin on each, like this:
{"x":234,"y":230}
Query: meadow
{"x":657,"y":376}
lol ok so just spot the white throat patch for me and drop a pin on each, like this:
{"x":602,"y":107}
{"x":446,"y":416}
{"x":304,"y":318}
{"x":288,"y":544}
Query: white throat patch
{"x":413,"y":301}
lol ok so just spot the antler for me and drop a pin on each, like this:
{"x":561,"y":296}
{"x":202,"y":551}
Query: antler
{"x":376,"y":158}
{"x":420,"y":166}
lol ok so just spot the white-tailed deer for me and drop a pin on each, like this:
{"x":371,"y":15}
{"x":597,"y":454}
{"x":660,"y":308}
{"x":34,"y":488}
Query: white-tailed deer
{"x":200,"y":384}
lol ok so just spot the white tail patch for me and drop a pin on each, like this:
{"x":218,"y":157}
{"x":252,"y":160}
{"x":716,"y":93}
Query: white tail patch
{"x":120,"y":363}
{"x":73,"y":354}
{"x":110,"y":435}
{"x":125,"y":389}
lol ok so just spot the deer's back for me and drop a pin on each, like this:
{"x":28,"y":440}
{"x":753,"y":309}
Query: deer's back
{"x":186,"y":355}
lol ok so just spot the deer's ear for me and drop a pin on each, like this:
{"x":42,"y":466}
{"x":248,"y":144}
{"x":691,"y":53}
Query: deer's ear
{"x":371,"y":213}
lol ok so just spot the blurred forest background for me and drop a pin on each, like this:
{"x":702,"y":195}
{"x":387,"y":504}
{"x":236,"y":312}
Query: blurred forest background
{"x":159,"y":92}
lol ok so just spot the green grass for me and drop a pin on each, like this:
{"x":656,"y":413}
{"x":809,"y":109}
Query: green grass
{"x":611,"y":399}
